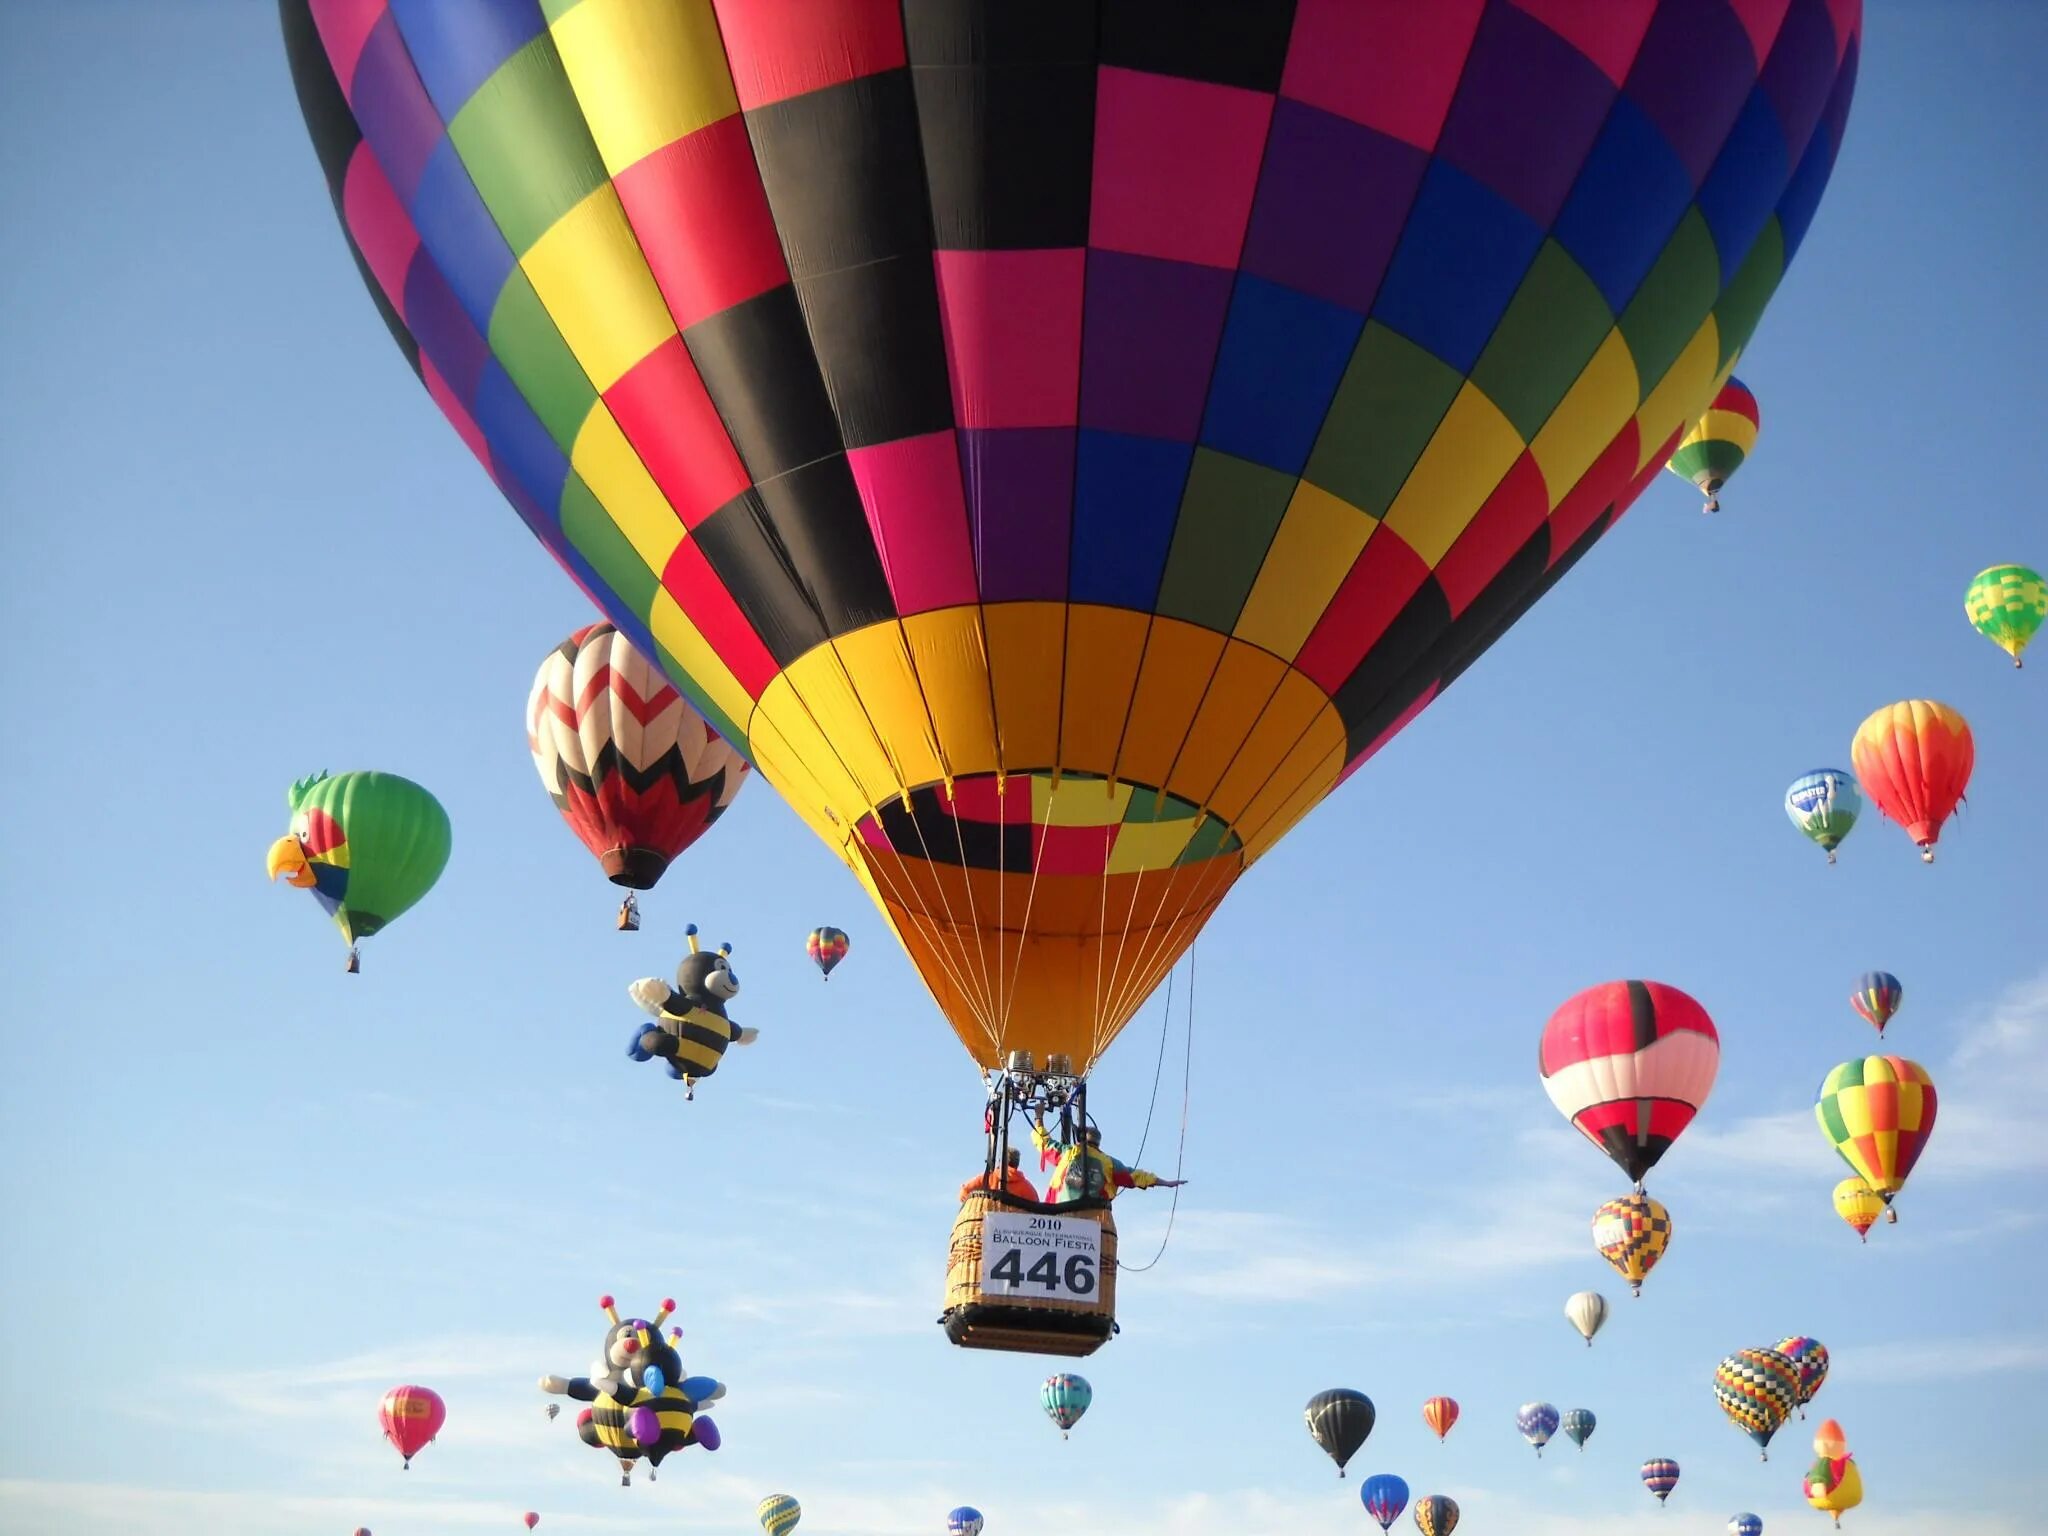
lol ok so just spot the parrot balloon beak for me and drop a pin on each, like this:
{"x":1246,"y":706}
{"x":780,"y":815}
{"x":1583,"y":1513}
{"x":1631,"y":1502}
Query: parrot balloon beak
{"x":288,"y":858}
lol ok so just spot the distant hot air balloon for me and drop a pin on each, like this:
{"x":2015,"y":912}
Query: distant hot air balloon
{"x":1058,"y":454}
{"x":1914,"y":759}
{"x":1384,"y":1496}
{"x":1537,"y":1422}
{"x":827,"y":947}
{"x":1746,"y":1525}
{"x":635,"y":771}
{"x":1578,"y":1425}
{"x":964,"y":1521}
{"x":1858,"y":1204}
{"x":551,"y":1410}
{"x":1586,"y":1311}
{"x":362,"y":1530}
{"x":2007,"y":604}
{"x":1829,"y":1442}
{"x":1757,"y":1389}
{"x":1715,"y":445}
{"x":1811,"y":1357}
{"x":1824,"y":804}
{"x":1630,"y":1063}
{"x":1338,"y":1421}
{"x":1878,"y":1112}
{"x":1833,"y":1484}
{"x":1436,"y":1515}
{"x":1877,"y":997}
{"x":532,"y":1519}
{"x":1632,"y":1234}
{"x":411,"y":1417}
{"x":1065,"y":1397}
{"x":367,"y":845}
{"x":1660,"y":1476}
{"x":778,"y":1514}
{"x":1440,"y":1413}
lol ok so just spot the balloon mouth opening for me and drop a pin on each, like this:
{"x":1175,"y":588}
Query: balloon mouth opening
{"x":636,"y":869}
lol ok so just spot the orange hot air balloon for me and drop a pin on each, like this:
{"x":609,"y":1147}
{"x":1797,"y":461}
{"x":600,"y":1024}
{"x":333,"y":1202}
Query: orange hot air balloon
{"x":1440,"y":1413}
{"x":411,"y":1417}
{"x":1914,"y":759}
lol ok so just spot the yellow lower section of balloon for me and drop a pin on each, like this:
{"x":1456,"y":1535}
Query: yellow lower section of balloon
{"x":1073,"y":717}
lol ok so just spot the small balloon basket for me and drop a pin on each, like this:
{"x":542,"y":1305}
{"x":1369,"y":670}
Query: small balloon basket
{"x":985,"y":1313}
{"x":1024,"y":1276}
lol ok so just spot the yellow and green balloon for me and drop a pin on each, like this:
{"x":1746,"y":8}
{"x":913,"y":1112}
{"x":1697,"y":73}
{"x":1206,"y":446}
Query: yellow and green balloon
{"x":367,"y":845}
{"x":2007,"y":604}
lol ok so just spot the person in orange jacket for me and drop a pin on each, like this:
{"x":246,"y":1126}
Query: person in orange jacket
{"x":1011,"y":1183}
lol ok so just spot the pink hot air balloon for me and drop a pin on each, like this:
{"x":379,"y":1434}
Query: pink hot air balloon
{"x":411,"y":1417}
{"x":532,"y":1519}
{"x":1630,"y":1063}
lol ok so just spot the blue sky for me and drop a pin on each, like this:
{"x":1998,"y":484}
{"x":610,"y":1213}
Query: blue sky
{"x":243,"y":1194}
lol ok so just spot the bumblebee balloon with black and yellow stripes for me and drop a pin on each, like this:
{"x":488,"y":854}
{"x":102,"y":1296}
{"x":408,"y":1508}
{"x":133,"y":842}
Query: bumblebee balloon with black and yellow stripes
{"x":643,"y":1406}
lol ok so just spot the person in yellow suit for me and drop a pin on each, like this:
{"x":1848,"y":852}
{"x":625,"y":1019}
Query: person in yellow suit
{"x":1083,"y":1171}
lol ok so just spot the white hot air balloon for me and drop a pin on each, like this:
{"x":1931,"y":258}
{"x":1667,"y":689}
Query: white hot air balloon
{"x":1586,"y":1312}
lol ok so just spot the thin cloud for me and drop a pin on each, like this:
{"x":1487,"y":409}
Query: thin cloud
{"x":1991,"y":1087}
{"x":34,"y":1508}
{"x":1244,"y":1255}
{"x":1940,"y":1359}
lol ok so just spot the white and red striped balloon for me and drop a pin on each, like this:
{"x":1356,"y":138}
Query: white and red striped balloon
{"x":636,"y":772}
{"x":1630,"y":1063}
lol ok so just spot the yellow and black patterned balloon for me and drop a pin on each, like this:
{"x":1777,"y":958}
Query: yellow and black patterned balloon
{"x":1436,"y":1515}
{"x":1632,"y":1234}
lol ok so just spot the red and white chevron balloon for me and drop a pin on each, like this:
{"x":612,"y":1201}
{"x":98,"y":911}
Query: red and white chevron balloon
{"x":636,"y":772}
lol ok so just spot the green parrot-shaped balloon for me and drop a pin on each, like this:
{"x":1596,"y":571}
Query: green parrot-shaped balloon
{"x":367,"y":845}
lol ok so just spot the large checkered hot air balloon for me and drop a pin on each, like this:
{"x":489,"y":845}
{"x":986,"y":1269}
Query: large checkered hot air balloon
{"x":635,"y":771}
{"x":1810,"y":1356}
{"x":1757,"y":1389}
{"x":1877,"y":1113}
{"x":1058,"y":444}
{"x":1630,"y":1063}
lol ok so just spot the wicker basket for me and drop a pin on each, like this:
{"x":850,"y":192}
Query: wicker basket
{"x":1028,"y":1325}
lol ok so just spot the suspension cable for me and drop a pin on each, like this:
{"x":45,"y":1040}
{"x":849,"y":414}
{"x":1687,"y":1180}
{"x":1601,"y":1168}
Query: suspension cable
{"x":1180,"y":1155}
{"x":1165,"y":1026}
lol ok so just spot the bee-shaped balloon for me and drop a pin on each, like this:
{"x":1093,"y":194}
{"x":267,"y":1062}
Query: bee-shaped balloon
{"x":642,"y":1405}
{"x":690,"y":1028}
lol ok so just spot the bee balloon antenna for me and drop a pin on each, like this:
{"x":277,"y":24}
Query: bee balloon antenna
{"x":690,"y":933}
{"x":610,"y":1311}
